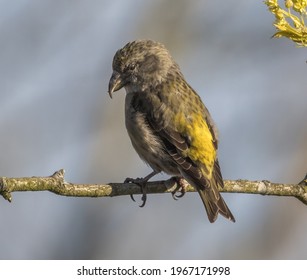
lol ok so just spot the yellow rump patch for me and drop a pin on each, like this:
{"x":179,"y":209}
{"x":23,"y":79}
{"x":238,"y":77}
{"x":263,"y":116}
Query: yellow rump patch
{"x":201,"y":148}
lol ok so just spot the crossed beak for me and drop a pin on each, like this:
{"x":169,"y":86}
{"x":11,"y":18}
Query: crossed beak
{"x":115,"y":83}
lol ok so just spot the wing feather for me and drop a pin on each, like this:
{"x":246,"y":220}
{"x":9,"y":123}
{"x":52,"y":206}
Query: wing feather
{"x":177,"y":144}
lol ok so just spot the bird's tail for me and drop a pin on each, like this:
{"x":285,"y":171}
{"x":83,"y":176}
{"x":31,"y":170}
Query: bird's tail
{"x":212,"y":199}
{"x":214,"y":204}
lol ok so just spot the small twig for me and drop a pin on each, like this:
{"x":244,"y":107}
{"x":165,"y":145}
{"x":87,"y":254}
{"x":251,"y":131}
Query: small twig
{"x":56,"y":184}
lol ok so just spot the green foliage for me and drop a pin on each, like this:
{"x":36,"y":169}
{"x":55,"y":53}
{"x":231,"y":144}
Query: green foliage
{"x":290,"y":22}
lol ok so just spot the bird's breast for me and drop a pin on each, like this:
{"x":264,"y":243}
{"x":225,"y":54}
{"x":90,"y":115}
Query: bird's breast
{"x":141,"y":134}
{"x":144,"y":139}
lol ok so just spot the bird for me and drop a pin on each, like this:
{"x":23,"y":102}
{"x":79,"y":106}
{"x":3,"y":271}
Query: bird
{"x":168,"y":124}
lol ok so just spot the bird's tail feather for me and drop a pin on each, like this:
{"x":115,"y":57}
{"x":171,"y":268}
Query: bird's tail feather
{"x":208,"y":189}
{"x":211,"y":197}
{"x":214,"y":204}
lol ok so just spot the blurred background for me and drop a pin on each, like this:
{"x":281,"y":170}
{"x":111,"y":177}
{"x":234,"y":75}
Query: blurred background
{"x":55,"y":64}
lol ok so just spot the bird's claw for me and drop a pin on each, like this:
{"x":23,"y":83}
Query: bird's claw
{"x":131,"y":195}
{"x":144,"y":197}
{"x":181,"y":188}
{"x":176,"y":196}
{"x":142,"y":183}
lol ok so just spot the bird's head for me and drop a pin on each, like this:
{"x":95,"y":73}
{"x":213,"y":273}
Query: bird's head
{"x":139,"y":65}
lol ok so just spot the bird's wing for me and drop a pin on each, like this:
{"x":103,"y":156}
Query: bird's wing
{"x":191,"y":142}
{"x":183,"y":124}
{"x":201,"y":171}
{"x":188,"y":135}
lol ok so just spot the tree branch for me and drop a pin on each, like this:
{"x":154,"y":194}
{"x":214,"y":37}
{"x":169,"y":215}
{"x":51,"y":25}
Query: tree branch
{"x":56,"y":184}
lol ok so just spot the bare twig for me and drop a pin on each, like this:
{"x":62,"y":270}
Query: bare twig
{"x":56,"y":184}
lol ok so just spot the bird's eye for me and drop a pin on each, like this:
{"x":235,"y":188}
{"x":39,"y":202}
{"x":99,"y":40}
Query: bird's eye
{"x":132,"y":66}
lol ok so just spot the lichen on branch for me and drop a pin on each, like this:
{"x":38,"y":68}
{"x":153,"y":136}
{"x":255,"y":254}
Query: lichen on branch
{"x":57,"y":184}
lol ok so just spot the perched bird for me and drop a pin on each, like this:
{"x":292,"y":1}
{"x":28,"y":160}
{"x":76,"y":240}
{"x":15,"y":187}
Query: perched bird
{"x":168,"y":124}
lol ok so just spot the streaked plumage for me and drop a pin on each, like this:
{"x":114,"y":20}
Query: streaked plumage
{"x":169,"y":126}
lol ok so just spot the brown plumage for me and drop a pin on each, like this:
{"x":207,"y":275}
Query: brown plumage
{"x":168,"y":124}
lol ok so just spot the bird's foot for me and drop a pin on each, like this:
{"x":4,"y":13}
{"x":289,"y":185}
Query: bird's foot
{"x":142,"y":183}
{"x":181,"y":187}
